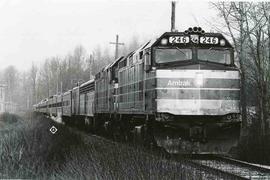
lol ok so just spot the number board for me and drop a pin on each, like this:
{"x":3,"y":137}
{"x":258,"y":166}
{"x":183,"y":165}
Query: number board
{"x":208,"y":40}
{"x":178,"y":39}
{"x":186,"y":39}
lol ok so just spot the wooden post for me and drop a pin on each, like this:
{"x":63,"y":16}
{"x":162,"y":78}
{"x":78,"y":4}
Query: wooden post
{"x":116,"y":45}
{"x":91,"y":62}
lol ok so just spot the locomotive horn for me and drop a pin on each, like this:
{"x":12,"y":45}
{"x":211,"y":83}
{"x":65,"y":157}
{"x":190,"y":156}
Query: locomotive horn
{"x":199,"y":29}
{"x":195,"y":29}
{"x":190,"y":29}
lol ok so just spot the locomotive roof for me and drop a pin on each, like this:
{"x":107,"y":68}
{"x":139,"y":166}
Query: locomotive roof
{"x":147,"y":44}
{"x":105,"y":67}
{"x":156,"y":41}
{"x":117,"y":60}
{"x":112,"y":64}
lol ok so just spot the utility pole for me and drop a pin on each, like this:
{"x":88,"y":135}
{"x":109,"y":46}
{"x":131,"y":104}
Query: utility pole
{"x":173,"y":17}
{"x":117,"y":43}
{"x":91,"y":62}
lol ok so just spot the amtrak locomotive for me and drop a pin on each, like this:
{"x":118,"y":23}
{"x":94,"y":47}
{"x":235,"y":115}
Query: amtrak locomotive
{"x":180,"y":92}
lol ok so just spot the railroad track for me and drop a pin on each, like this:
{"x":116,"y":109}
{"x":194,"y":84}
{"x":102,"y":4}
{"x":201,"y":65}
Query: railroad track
{"x":227,"y":167}
{"x":211,"y":173}
{"x":218,"y":166}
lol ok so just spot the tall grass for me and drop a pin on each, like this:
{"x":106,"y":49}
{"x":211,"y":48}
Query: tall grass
{"x":29,"y":150}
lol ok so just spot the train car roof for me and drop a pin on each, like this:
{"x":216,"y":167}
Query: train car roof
{"x":66,"y":92}
{"x":44,"y":100}
{"x":76,"y":87}
{"x":87,"y":82}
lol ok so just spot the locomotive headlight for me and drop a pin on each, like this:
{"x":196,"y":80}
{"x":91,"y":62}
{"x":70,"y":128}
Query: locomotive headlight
{"x":199,"y":80}
{"x":222,"y":42}
{"x":164,"y":41}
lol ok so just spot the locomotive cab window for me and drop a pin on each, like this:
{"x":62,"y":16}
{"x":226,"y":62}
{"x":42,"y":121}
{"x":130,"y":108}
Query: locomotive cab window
{"x":166,"y":55}
{"x":222,"y":56}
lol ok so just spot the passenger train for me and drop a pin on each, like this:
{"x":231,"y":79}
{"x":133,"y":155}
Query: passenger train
{"x":180,"y":92}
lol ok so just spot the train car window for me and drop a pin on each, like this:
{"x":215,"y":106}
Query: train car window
{"x":141,"y":54}
{"x":222,"y":56}
{"x":140,"y":72}
{"x":130,"y":60}
{"x":172,"y":55}
{"x":98,"y":75}
{"x":122,"y":78}
{"x":147,"y":62}
{"x":115,"y":74}
{"x":135,"y":73}
{"x":123,"y":63}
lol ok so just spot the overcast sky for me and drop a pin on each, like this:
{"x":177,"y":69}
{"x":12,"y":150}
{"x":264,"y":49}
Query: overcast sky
{"x":31,"y":30}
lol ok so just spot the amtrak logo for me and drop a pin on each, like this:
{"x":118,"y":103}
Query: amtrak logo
{"x":180,"y":83}
{"x":194,"y":38}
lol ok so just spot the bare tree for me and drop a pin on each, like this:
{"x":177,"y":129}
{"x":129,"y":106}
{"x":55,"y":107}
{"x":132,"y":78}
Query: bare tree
{"x":33,"y":77}
{"x":248,"y":26}
{"x":233,"y":15}
{"x":11,"y":80}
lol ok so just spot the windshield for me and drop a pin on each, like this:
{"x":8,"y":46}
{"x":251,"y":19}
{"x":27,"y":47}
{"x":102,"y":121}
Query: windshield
{"x":172,"y":55}
{"x":215,"y":55}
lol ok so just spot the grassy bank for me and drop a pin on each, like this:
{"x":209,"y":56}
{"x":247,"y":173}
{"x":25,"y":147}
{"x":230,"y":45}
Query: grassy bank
{"x":255,"y":147}
{"x":29,"y":150}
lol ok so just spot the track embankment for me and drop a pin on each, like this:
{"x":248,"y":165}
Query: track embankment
{"x":29,"y":150}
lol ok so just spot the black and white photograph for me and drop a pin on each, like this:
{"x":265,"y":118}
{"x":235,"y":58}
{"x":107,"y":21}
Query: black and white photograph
{"x":134,"y":89}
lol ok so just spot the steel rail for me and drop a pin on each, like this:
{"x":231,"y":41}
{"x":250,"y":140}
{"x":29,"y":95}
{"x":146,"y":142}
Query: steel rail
{"x":213,"y":171}
{"x":230,"y":161}
{"x":243,"y":164}
{"x":256,"y":171}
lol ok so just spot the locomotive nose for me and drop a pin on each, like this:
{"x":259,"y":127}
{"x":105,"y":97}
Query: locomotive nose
{"x":198,"y":92}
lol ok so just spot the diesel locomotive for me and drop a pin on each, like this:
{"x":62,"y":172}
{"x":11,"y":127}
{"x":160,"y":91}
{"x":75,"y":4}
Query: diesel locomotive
{"x":180,"y":92}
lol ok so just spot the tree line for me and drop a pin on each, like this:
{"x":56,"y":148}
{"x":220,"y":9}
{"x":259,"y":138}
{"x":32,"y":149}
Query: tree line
{"x":57,"y":74}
